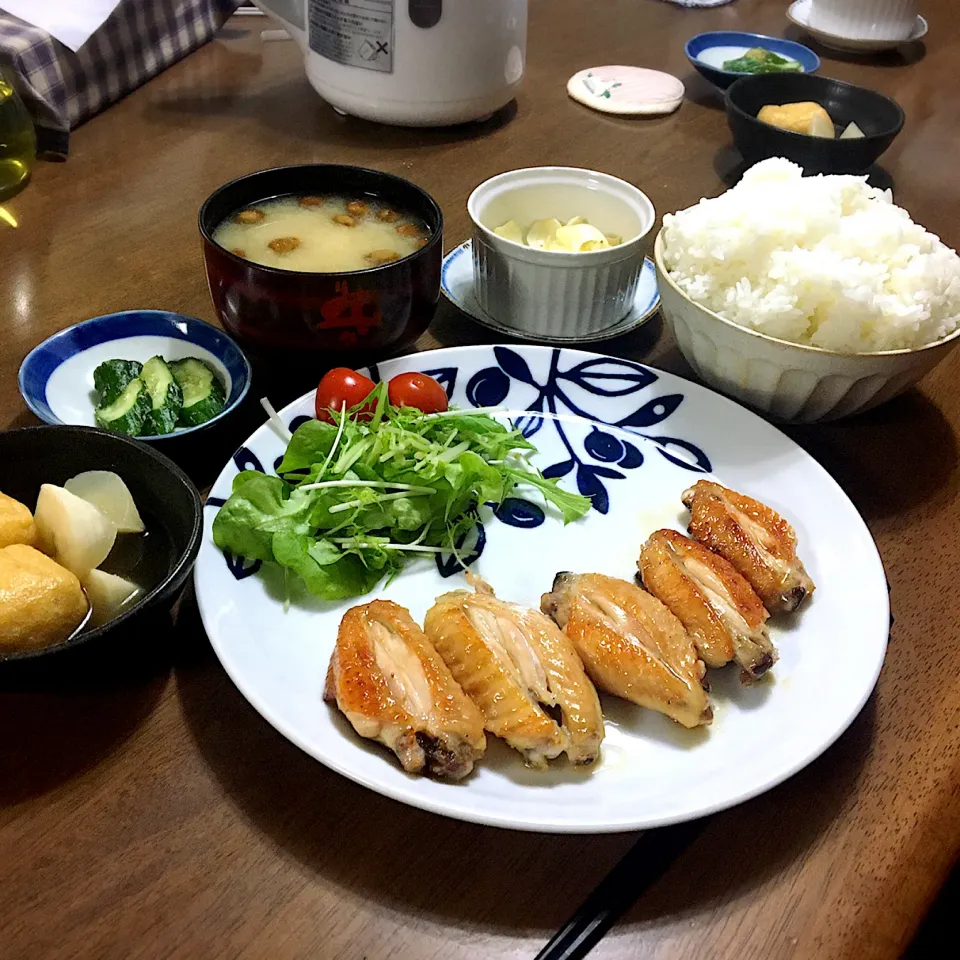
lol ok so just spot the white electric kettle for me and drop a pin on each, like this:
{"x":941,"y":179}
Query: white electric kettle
{"x":410,"y":62}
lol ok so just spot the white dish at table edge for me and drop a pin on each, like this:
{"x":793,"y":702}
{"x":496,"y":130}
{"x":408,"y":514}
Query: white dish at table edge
{"x":457,"y":285}
{"x":652,"y":772}
{"x":799,"y":13}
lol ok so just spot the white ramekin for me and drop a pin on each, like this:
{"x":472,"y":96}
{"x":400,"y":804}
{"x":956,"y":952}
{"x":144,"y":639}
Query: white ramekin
{"x":789,"y":381}
{"x":552,"y":293}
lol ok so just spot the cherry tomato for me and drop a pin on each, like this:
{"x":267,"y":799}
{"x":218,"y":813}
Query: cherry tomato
{"x":343,"y":385}
{"x":417,"y":390}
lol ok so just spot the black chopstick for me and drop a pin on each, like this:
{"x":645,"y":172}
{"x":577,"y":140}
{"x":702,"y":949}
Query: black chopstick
{"x":646,"y":861}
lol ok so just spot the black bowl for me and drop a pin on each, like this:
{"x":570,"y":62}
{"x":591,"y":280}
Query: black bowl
{"x":879,"y":117}
{"x":168,"y":502}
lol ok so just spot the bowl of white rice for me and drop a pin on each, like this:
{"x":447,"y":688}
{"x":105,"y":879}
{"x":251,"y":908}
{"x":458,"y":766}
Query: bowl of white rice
{"x":808,"y":298}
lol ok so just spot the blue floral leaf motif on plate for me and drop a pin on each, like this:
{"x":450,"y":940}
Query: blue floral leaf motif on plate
{"x":514,"y":366}
{"x":558,"y":469}
{"x":690,"y":458}
{"x":590,"y":485}
{"x":604,"y":447}
{"x":606,"y":377}
{"x":240,"y":567}
{"x":277,"y":462}
{"x":297,"y":422}
{"x":520,"y":513}
{"x":653,"y":411}
{"x":446,"y":377}
{"x":246,"y":459}
{"x":632,"y":457}
{"x":214,"y":502}
{"x":528,"y":426}
{"x":469,"y":546}
{"x":605,"y":472}
{"x":488,"y":387}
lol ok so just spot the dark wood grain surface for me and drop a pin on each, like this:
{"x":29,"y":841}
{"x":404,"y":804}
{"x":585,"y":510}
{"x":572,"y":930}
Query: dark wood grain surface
{"x":156,"y":815}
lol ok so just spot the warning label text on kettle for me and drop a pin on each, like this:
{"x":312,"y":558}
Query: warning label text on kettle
{"x":358,"y":33}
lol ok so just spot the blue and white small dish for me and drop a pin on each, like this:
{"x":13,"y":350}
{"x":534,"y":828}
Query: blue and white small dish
{"x":456,"y":282}
{"x":709,"y":51}
{"x":56,"y":377}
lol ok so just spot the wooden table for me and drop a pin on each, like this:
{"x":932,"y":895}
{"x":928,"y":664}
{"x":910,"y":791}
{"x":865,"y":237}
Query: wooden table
{"x":161,"y":817}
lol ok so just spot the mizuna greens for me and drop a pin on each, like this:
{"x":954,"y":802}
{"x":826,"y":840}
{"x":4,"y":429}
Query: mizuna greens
{"x":354,"y":500}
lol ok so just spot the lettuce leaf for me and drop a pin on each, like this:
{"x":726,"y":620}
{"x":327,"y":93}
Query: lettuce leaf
{"x":258,"y":506}
{"x":308,"y":446}
{"x":328,"y":572}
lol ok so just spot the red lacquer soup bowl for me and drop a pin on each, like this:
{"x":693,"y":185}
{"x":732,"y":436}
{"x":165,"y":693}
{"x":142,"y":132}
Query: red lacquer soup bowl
{"x":378,"y":310}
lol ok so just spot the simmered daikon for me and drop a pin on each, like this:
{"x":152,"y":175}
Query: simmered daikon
{"x":109,"y":595}
{"x":109,"y":494}
{"x":75,"y":533}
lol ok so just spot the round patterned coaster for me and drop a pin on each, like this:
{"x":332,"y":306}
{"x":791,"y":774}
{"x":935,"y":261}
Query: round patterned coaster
{"x":626,"y":90}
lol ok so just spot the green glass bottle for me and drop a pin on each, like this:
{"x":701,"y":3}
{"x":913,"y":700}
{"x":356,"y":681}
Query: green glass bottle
{"x":18,"y":142}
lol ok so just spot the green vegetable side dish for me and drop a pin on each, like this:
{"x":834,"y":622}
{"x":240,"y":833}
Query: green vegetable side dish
{"x":111,"y":378}
{"x":354,"y":501}
{"x":203,"y":396}
{"x":128,"y":413}
{"x":155,"y":398}
{"x":166,"y":397}
{"x":759,"y":60}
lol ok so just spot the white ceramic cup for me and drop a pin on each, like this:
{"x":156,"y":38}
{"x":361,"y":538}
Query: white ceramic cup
{"x":549,"y":292}
{"x":864,"y":19}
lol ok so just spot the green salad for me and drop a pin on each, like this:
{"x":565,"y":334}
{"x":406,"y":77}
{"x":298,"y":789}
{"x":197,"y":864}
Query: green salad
{"x":759,"y":60}
{"x":355,"y":499}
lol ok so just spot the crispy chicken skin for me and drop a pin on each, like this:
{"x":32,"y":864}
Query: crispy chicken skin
{"x":755,"y":539}
{"x":718,"y":608}
{"x":631,"y":644}
{"x":393,"y":687}
{"x":521,"y":671}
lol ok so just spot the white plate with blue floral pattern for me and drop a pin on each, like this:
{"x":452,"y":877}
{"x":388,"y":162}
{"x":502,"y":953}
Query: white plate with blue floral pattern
{"x":632,"y":438}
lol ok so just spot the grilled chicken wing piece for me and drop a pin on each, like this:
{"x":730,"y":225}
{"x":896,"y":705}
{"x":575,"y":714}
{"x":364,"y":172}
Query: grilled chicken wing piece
{"x":718,"y":608}
{"x":632,"y":645}
{"x":522,"y":673}
{"x":754,"y":538}
{"x":393,"y":687}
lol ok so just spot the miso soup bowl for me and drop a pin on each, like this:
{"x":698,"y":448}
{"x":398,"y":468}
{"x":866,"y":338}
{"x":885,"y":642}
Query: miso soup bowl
{"x":555,"y":293}
{"x":322,"y":317}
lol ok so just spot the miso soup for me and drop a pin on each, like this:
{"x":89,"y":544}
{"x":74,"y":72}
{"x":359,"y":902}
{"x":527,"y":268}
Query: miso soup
{"x":322,"y":234}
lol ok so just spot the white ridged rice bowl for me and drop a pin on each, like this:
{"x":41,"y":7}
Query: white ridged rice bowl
{"x":553,"y":293}
{"x":864,"y":19}
{"x":789,"y":381}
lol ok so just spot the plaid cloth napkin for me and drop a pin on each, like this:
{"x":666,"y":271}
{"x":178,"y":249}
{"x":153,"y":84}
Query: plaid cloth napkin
{"x":136,"y":42}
